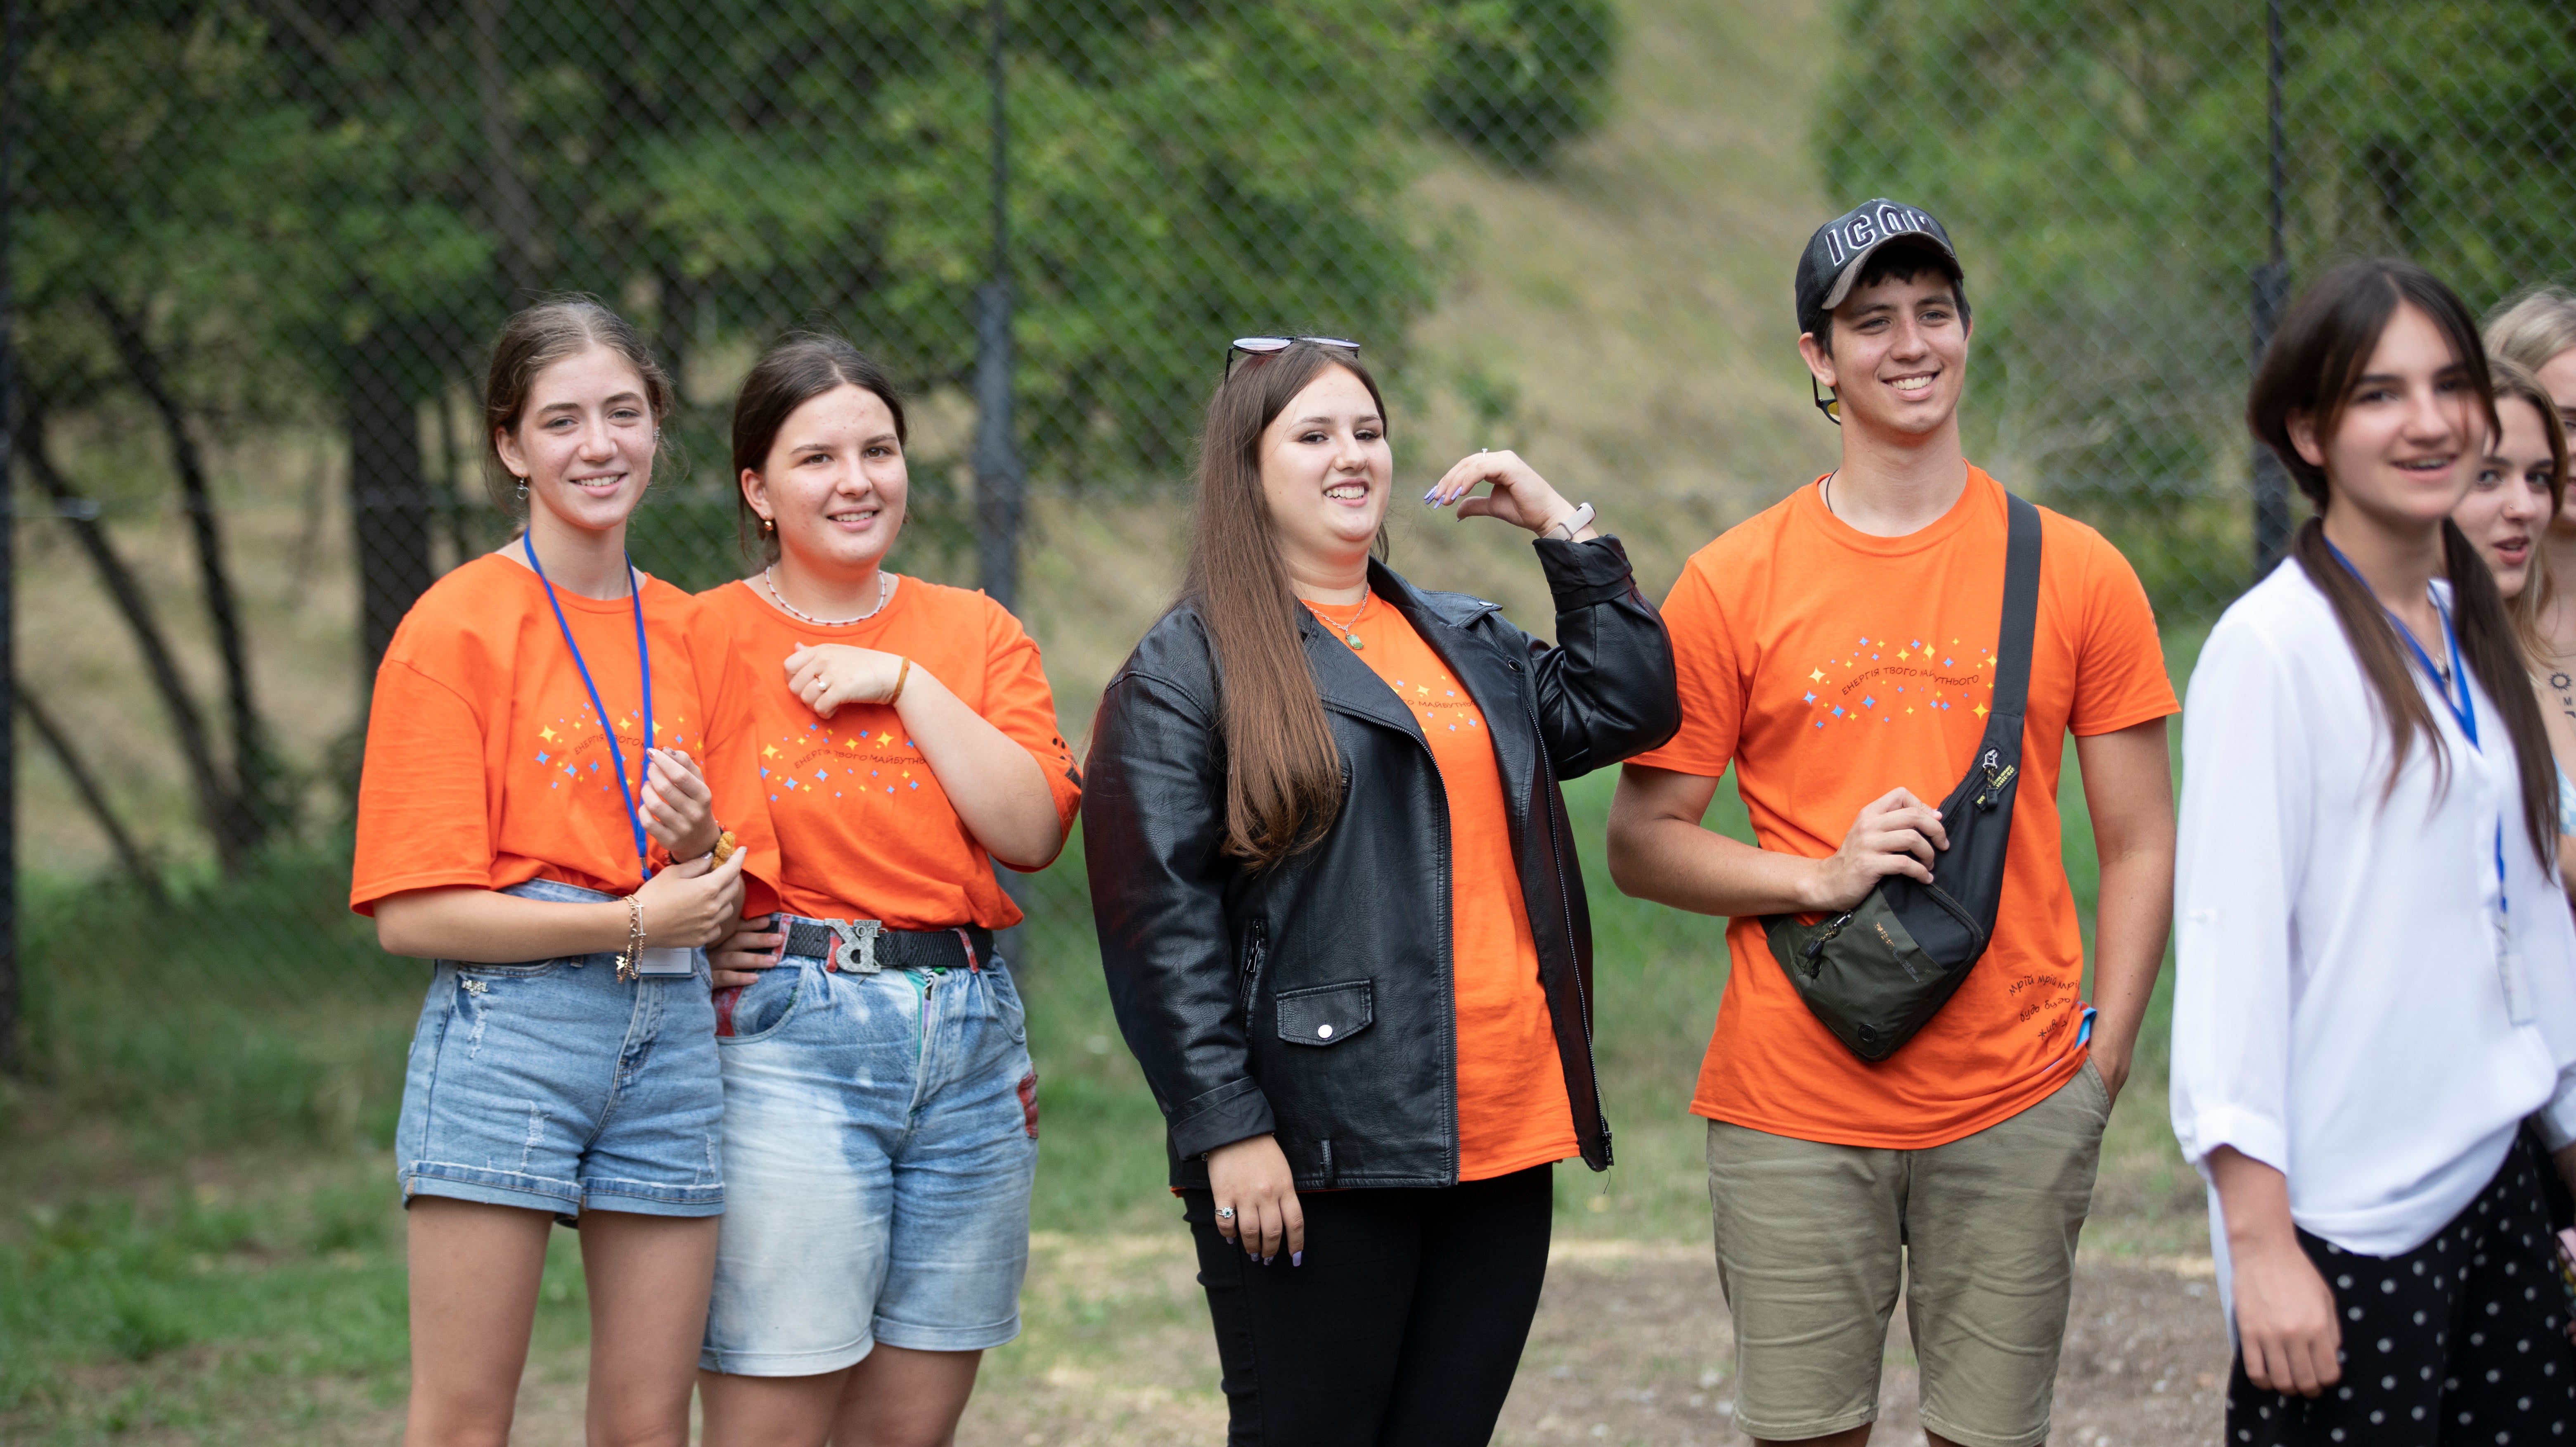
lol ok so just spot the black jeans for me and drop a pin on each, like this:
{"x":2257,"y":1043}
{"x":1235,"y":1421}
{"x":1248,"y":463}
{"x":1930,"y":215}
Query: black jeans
{"x":1404,"y":1325}
{"x":2461,"y":1341}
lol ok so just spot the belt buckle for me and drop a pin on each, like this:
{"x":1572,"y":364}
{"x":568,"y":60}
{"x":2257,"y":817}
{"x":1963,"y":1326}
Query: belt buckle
{"x":854,"y":945}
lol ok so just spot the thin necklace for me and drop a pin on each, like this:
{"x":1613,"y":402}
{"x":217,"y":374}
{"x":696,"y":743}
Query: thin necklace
{"x":1349,"y":637}
{"x":885,"y":585}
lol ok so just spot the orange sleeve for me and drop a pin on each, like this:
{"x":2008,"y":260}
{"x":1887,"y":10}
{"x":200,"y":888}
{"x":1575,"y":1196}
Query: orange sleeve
{"x":2120,"y":677}
{"x":424,"y":819}
{"x":1712,"y":687}
{"x":1018,"y":701}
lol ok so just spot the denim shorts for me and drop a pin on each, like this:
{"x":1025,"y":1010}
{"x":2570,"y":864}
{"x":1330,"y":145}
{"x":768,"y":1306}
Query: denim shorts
{"x":881,"y":1134}
{"x":556,"y":1086}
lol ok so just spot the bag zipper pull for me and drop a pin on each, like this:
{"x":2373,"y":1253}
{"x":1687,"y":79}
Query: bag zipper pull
{"x":1995,"y":781}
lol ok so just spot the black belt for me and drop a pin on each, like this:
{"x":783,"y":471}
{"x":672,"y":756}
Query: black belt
{"x":865,"y":946}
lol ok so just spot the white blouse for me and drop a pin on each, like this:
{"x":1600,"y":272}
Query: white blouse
{"x":2340,"y":1001}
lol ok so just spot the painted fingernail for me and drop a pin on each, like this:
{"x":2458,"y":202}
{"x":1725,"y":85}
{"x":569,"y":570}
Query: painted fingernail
{"x":1265,"y":1260}
{"x":1296,"y":1258}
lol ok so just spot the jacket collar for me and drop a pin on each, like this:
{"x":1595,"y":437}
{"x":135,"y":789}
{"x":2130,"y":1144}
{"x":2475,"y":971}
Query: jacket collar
{"x":1351,"y":686}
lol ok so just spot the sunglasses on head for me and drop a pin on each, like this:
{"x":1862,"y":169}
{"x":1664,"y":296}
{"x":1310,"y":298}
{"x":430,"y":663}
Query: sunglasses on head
{"x":1264,"y":346}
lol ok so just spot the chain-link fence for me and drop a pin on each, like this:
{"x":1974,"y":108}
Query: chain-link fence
{"x":257,"y":246}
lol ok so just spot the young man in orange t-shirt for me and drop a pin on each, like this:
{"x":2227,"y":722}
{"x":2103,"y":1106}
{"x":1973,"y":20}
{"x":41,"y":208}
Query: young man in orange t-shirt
{"x":1838,"y":650}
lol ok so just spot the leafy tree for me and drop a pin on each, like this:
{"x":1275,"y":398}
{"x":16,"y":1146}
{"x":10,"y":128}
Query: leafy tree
{"x":1520,"y":78}
{"x":320,"y":209}
{"x":2101,"y":164}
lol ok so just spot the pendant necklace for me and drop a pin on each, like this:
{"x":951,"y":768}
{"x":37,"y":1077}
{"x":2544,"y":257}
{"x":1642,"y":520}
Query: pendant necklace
{"x":1345,"y":629}
{"x":885,"y":585}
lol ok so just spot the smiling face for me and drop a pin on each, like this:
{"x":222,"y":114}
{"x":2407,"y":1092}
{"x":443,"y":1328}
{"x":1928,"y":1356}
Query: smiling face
{"x":585,"y":441}
{"x":2410,"y":424}
{"x":835,"y":483}
{"x":1900,"y":354}
{"x":1326,"y":472}
{"x":2508,"y":499}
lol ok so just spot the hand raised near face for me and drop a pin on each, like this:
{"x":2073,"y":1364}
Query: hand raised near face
{"x":1517,"y":495}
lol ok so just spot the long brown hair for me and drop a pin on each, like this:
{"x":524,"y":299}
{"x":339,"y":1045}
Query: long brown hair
{"x":534,"y":338}
{"x":2308,"y":374}
{"x":796,"y":369}
{"x":2530,"y":607}
{"x":1283,"y":776}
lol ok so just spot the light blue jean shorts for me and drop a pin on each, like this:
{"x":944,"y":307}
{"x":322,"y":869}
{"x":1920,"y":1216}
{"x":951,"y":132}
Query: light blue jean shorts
{"x":881,"y":1135}
{"x":555,"y":1086}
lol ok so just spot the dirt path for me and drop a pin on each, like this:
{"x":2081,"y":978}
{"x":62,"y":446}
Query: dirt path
{"x":1631,"y":1346}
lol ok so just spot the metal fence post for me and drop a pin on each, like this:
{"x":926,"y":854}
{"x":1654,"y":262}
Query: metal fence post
{"x":1000,"y":487}
{"x":2271,"y":297}
{"x":9,"y":988}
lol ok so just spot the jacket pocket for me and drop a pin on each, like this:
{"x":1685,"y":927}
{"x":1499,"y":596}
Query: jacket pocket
{"x":1326,"y":1014}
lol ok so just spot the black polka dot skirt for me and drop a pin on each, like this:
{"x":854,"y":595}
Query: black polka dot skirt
{"x":2461,"y":1342}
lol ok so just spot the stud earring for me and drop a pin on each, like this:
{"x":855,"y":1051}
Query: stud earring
{"x":768,"y":526}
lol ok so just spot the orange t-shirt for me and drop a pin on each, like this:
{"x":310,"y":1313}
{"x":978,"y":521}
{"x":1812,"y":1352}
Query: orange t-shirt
{"x":1830,"y":666}
{"x":487,"y":766}
{"x":864,"y":830}
{"x":1512,"y":1107}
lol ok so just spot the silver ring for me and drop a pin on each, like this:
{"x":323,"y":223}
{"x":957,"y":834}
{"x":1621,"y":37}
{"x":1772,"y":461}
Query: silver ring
{"x":1225,"y":1213}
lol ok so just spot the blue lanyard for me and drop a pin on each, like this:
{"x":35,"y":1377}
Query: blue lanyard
{"x":644,"y":657}
{"x":2464,"y":708}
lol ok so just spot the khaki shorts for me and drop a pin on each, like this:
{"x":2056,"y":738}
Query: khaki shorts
{"x":1813,"y":1241}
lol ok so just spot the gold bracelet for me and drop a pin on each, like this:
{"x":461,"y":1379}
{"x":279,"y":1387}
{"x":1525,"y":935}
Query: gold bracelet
{"x":901,"y":676}
{"x":634,"y":950}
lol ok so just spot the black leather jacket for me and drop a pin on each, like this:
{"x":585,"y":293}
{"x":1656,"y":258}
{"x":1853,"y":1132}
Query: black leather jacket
{"x":1224,"y":980}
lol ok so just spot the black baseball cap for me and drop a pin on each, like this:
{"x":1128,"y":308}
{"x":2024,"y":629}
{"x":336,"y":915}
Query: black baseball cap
{"x":1837,"y":252}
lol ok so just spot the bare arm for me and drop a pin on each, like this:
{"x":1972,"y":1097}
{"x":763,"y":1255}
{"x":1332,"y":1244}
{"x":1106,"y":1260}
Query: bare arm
{"x":997,"y":787}
{"x":2128,"y":788}
{"x":1658,"y":851}
{"x":691,"y":904}
{"x":2285,"y":1312}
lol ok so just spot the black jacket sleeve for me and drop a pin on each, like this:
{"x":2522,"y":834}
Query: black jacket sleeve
{"x":1607,"y":690}
{"x":1153,"y":830}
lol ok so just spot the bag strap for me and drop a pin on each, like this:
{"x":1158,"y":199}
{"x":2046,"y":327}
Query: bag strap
{"x":2014,"y":634}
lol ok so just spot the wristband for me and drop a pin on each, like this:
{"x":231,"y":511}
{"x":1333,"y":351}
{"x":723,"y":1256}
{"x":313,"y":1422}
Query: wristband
{"x":901,"y":676}
{"x":1572,"y":523}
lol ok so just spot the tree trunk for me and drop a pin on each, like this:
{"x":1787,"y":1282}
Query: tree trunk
{"x":254,"y":769}
{"x":93,"y":798}
{"x":216,"y":807}
{"x":388,"y":498}
{"x":514,"y":213}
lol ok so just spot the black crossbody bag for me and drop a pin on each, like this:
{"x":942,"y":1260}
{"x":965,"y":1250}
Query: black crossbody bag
{"x":1878,"y":972}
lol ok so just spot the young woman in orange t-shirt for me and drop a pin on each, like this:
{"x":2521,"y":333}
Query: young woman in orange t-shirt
{"x":880,"y":1107}
{"x":1340,"y":912}
{"x":528,"y":786}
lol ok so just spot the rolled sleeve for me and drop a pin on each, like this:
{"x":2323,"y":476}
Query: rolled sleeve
{"x":2240,"y":852}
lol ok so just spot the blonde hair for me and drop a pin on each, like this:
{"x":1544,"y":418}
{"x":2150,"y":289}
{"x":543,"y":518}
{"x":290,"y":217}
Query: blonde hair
{"x":2513,"y":382}
{"x":2533,"y":328}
